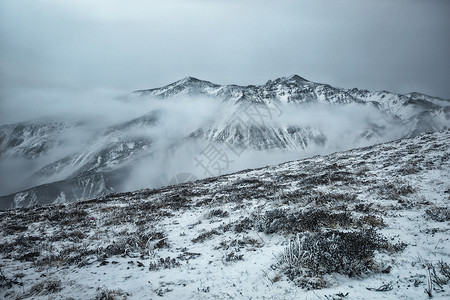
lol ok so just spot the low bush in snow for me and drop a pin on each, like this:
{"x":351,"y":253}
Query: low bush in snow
{"x":278,"y":220}
{"x":46,"y":287}
{"x":311,"y":255}
{"x":163,"y":263}
{"x":439,"y":214}
{"x":106,"y":294}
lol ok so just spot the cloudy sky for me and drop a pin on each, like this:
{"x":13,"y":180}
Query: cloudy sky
{"x":400,"y":45}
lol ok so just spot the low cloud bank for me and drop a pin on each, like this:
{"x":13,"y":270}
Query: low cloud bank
{"x":100,"y":118}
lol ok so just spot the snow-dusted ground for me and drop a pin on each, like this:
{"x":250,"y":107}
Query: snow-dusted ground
{"x":226,"y":237}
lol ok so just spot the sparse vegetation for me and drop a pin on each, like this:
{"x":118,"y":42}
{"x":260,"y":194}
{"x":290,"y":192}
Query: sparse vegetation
{"x":309,"y":256}
{"x":6,"y":282}
{"x":206,"y":235}
{"x":107,"y":294}
{"x":163,"y":263}
{"x":394,"y":190}
{"x":332,"y":215}
{"x":439,"y":214}
{"x":46,"y":287}
{"x":233,"y":257}
{"x":307,"y":220}
{"x":218,"y":213}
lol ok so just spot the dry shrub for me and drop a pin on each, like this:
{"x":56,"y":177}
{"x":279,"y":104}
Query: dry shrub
{"x":312,"y":255}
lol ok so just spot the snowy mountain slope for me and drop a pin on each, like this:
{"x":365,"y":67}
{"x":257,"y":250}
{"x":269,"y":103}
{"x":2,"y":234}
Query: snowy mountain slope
{"x":289,"y":115}
{"x":365,"y":223}
{"x":402,"y":106}
{"x":294,"y":89}
{"x":263,"y":137}
{"x":93,"y":170}
{"x":69,"y":190}
{"x":31,"y":139}
{"x":429,"y":121}
{"x":187,"y":86}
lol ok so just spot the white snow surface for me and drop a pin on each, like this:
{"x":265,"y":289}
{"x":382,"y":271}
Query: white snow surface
{"x":405,"y":183}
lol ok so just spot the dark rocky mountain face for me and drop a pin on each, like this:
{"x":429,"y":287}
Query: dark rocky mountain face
{"x":30,"y":139}
{"x":287,"y":118}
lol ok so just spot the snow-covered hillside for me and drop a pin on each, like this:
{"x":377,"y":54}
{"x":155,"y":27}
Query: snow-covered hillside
{"x":53,"y":161}
{"x":366,"y":223}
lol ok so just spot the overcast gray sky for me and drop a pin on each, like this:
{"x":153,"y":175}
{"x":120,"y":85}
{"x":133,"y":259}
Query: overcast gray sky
{"x":397,"y":45}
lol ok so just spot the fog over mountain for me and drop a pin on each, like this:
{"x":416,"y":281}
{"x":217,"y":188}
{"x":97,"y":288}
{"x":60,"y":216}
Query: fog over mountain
{"x":107,"y":142}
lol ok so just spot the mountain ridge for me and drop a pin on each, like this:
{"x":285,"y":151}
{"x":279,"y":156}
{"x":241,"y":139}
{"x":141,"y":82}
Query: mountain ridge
{"x":286,"y":115}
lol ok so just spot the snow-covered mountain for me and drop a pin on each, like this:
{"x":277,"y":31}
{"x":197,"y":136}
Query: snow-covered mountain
{"x":31,"y":139}
{"x":368,"y":223}
{"x":62,"y":161}
{"x":418,"y":112}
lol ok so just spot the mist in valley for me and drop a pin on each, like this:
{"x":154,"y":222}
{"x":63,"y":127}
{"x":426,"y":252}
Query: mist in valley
{"x":158,"y":136}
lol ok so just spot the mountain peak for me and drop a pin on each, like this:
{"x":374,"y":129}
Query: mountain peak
{"x":293,"y":78}
{"x":296,"y":78}
{"x":188,"y":79}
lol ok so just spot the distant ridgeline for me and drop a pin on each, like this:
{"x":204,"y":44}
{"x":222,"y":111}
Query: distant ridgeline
{"x":286,"y":116}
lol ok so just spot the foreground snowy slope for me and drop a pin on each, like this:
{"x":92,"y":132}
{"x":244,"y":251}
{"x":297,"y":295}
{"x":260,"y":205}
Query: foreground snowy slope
{"x":366,"y":223}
